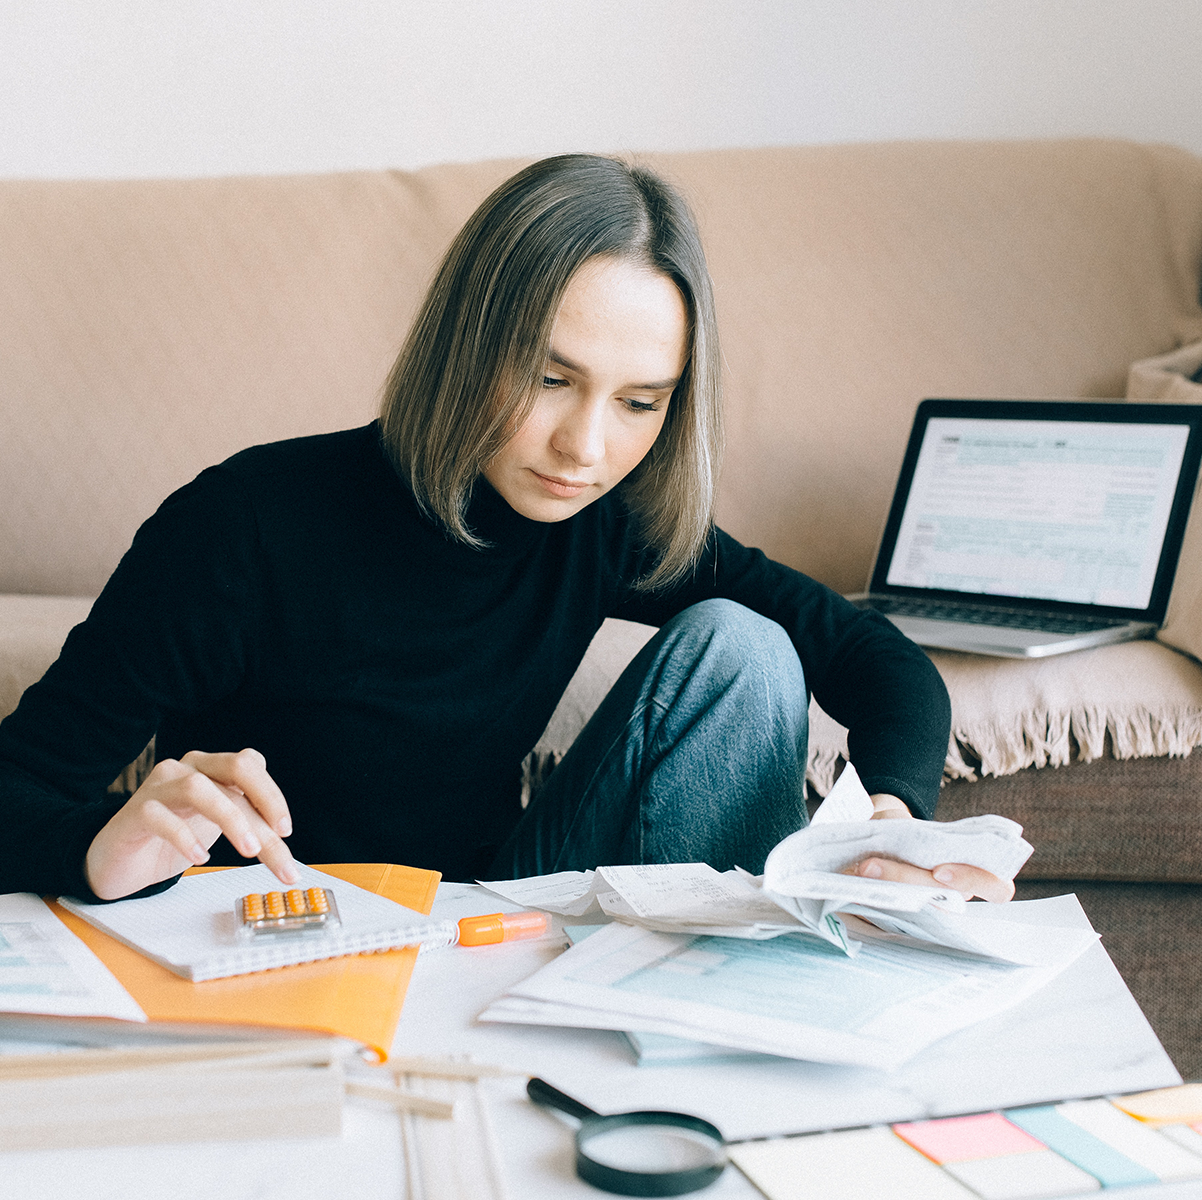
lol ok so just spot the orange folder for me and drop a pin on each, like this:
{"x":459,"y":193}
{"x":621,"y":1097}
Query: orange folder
{"x":358,"y":996}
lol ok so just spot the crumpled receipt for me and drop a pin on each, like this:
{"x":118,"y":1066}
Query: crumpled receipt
{"x":809,"y":862}
{"x":803,"y":887}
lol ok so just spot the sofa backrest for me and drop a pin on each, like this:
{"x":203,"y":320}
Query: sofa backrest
{"x":148,"y":329}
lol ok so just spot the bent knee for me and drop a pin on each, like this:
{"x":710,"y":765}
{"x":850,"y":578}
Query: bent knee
{"x":745,"y":639}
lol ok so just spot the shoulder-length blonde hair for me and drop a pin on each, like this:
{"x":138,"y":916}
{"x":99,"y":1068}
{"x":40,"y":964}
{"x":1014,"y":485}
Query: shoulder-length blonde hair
{"x":472,"y":365}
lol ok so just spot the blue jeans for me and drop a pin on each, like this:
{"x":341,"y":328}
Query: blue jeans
{"x":697,"y":754}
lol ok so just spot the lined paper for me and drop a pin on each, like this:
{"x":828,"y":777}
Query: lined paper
{"x":192,"y":928}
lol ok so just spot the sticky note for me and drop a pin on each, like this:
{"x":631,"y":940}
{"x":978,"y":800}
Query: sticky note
{"x":956,"y":1139}
{"x":1175,"y":1105}
{"x":1162,"y":1157}
{"x":1038,"y":1175}
{"x":848,"y":1165}
{"x":1068,"y":1139}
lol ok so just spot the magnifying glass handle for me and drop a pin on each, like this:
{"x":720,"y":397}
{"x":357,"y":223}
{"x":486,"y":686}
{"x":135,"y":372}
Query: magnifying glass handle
{"x":541,"y":1092}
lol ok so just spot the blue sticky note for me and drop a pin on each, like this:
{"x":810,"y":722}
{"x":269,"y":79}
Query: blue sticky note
{"x":1070,"y":1141}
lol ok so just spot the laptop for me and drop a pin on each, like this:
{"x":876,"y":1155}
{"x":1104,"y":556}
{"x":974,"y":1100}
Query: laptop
{"x":1026,"y":528}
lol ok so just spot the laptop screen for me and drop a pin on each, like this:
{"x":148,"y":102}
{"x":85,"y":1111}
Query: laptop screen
{"x":1041,"y":501}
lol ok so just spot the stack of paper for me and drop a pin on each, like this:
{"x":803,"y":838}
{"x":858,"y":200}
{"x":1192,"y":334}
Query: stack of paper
{"x":189,"y":1092}
{"x":149,"y":1084}
{"x":803,"y":887}
{"x":805,"y":961}
{"x":796,"y":995}
{"x":356,"y":996}
{"x":45,"y":968}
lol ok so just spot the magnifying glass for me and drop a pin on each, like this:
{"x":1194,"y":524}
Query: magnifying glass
{"x":639,"y":1153}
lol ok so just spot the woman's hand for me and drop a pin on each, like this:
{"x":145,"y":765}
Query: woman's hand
{"x":968,"y":881}
{"x":170,"y":822}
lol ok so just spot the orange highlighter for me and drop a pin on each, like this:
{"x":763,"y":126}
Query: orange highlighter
{"x":501,"y":927}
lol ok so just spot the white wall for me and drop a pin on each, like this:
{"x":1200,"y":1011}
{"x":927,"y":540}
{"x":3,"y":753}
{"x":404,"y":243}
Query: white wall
{"x":110,"y":88}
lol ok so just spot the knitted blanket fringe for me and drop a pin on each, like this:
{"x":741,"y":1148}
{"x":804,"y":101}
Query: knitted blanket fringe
{"x":1045,"y":739}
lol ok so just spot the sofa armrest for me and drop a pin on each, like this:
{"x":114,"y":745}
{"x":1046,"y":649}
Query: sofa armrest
{"x":32,"y":632}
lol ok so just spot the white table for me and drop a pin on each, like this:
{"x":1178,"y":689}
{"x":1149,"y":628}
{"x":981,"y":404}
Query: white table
{"x":1082,"y":1035}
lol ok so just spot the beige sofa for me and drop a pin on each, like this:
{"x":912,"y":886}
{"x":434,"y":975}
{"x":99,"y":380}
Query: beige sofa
{"x":151,"y":328}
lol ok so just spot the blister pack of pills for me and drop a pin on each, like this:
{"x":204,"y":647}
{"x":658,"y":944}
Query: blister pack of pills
{"x":307,"y":910}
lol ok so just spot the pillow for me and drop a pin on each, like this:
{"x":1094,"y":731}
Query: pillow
{"x":1167,"y":378}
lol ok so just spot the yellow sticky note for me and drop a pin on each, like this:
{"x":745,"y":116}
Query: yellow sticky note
{"x":1165,"y":1106}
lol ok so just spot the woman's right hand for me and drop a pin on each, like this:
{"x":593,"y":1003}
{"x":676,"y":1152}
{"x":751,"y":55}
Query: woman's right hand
{"x":170,"y":822}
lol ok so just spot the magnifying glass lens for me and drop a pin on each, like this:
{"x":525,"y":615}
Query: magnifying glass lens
{"x":653,"y":1148}
{"x":649,"y":1153}
{"x":639,"y":1153}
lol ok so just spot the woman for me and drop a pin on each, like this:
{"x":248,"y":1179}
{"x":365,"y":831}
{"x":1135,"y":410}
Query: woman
{"x":388,"y":615}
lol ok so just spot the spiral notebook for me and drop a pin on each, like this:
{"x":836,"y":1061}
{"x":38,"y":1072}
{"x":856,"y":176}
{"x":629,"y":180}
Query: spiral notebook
{"x":192,"y":930}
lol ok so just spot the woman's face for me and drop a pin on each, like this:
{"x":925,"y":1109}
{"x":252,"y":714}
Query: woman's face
{"x":618,"y":347}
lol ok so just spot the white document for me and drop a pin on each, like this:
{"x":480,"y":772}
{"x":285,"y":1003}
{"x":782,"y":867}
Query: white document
{"x":682,"y":897}
{"x":804,"y":888}
{"x":993,"y":843}
{"x":794,"y":996}
{"x":570,"y":893}
{"x":806,"y":867}
{"x":45,"y":968}
{"x":846,"y":801}
{"x":842,"y":832}
{"x":192,"y":928}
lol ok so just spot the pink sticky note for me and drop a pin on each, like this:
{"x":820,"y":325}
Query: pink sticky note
{"x":958,"y":1139}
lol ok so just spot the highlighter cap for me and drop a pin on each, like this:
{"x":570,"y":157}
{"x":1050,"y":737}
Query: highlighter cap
{"x":501,"y":927}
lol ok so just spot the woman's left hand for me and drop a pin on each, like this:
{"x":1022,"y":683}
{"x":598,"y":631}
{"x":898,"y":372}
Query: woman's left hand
{"x":968,"y":881}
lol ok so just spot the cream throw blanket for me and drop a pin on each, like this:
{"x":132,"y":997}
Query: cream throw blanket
{"x":1141,"y":698}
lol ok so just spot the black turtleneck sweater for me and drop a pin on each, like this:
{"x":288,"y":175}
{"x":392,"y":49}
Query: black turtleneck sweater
{"x":294,"y":599}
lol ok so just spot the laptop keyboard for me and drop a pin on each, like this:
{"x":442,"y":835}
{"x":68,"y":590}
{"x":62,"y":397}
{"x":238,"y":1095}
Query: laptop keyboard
{"x":1008,"y":618}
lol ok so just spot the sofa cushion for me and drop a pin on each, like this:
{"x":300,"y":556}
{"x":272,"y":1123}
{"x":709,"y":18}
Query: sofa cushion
{"x":853,"y":281}
{"x":1168,"y":377}
{"x":1137,"y":819}
{"x":32,"y":632}
{"x":154,"y":327}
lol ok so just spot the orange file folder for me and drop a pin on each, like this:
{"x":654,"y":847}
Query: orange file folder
{"x":358,"y":996}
